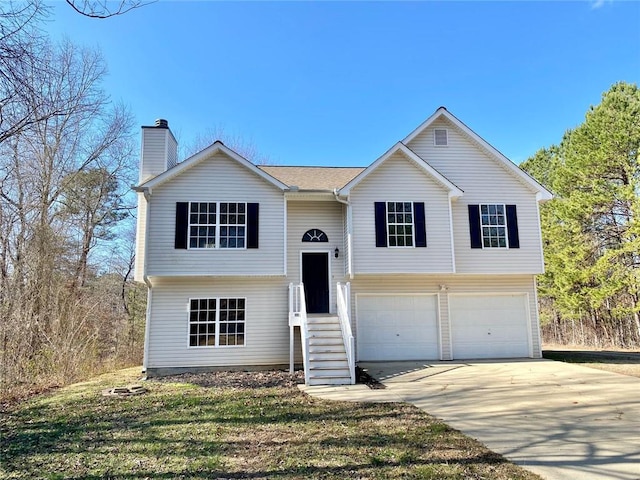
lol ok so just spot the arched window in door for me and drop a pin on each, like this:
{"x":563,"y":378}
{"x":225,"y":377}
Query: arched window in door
{"x":315,"y":235}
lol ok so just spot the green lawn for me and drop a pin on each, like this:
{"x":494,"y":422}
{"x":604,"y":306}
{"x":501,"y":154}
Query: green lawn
{"x":180,"y":430}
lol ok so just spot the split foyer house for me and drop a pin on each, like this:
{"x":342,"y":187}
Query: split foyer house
{"x":429,"y":253}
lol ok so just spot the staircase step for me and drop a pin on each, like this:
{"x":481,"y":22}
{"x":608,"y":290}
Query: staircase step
{"x":318,"y":365}
{"x":319,"y":348}
{"x":326,"y":356}
{"x":330,"y":381}
{"x":324,"y":327}
{"x":325,"y":333}
{"x":328,"y":319}
{"x":327,"y":341}
{"x":328,"y":372}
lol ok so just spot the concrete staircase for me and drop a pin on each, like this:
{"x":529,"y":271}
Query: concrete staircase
{"x":328,"y":364}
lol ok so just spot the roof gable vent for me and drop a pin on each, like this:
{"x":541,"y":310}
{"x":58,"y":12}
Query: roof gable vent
{"x":440,"y":138}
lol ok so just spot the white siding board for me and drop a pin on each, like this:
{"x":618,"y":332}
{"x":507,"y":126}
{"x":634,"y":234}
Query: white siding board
{"x":398,"y":179}
{"x":266,"y":325}
{"x":141,"y":222}
{"x":452,"y":284}
{"x":327,"y":216}
{"x":483,"y":180}
{"x":153,"y":156}
{"x":216,"y":179}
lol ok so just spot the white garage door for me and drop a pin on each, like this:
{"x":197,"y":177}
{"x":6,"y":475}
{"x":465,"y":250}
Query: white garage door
{"x":489,"y":326}
{"x":397,"y":327}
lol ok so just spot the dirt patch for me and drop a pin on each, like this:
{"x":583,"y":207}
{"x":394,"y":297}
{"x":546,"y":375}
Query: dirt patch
{"x":261,"y":379}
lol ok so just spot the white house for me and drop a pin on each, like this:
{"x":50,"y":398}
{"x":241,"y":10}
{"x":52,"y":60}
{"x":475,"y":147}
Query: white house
{"x":429,"y":253}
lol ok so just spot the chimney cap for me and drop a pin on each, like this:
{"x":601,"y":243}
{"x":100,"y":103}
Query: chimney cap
{"x":162,"y":123}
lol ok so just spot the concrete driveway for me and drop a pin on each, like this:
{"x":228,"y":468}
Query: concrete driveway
{"x":559,"y":420}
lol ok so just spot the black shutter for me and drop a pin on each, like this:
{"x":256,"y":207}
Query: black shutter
{"x":252,"y":224}
{"x":474,"y":226}
{"x":381,"y":224}
{"x":420,"y":224}
{"x":512,"y":227}
{"x":182,"y":224}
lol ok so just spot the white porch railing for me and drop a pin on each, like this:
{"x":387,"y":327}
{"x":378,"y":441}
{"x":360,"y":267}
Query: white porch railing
{"x":343,"y":298}
{"x":298,"y":318}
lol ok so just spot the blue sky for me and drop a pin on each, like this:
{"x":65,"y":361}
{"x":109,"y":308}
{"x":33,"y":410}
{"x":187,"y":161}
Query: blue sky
{"x":338,"y":83}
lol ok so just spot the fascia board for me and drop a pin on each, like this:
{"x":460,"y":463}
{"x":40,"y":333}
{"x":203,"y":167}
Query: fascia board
{"x":419,"y":162}
{"x":200,"y":156}
{"x":542,"y":193}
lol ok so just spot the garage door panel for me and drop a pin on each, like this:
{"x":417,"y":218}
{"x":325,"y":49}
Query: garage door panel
{"x":489,"y":326}
{"x":399,"y":327}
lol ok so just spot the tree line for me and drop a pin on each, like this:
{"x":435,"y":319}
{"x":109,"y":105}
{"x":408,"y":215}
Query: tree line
{"x":590,"y":293}
{"x":68,"y":307}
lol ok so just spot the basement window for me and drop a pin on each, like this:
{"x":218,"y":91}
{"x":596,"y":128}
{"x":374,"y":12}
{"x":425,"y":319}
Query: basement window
{"x":216,"y":322}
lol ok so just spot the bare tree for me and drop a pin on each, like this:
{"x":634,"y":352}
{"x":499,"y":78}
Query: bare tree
{"x":240,"y":144}
{"x":63,"y":185}
{"x":105,"y":8}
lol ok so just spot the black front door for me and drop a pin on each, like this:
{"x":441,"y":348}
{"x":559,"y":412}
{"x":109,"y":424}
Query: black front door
{"x":315,"y":276}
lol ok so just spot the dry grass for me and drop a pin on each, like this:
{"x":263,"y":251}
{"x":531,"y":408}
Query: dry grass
{"x":184,"y":430}
{"x":596,"y":358}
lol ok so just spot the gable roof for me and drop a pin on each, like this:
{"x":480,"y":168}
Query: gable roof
{"x":542,"y":192}
{"x":400,"y":147}
{"x":216,"y":147}
{"x":313,"y":178}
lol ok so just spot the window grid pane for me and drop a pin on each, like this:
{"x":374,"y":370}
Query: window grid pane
{"x":232,"y":321}
{"x":202,"y":322}
{"x":233,"y":222}
{"x":202,"y":225}
{"x":400,"y":224}
{"x":493,"y":222}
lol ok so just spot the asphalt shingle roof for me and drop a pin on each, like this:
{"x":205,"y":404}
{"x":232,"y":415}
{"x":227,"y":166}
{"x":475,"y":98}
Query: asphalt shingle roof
{"x":313,"y":178}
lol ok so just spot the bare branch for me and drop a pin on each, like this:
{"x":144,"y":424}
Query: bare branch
{"x":103,"y":9}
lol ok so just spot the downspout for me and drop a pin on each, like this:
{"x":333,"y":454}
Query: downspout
{"x":147,"y":196}
{"x":348,"y":221}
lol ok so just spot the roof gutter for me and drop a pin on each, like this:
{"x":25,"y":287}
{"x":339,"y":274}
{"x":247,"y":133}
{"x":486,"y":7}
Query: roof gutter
{"x":146,"y":191}
{"x":349,"y":269}
{"x":337,"y":196}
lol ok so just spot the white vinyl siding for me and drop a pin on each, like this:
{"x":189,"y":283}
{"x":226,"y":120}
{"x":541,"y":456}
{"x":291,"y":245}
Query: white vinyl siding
{"x":141,"y":223}
{"x":484,"y":181}
{"x":158,"y":152}
{"x":399,"y":176}
{"x":323,"y":215}
{"x":266,"y":330}
{"x":216,"y":179}
{"x":446,"y":286}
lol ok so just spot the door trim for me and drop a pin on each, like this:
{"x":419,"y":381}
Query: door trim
{"x":328,"y":252}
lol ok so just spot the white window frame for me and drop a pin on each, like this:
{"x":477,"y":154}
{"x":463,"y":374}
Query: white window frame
{"x":435,"y":143}
{"x":504,"y":226}
{"x":217,"y":226}
{"x":413,"y":226}
{"x":216,"y":322}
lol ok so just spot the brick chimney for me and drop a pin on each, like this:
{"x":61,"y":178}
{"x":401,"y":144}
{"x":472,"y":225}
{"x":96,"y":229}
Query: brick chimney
{"x":159,"y":150}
